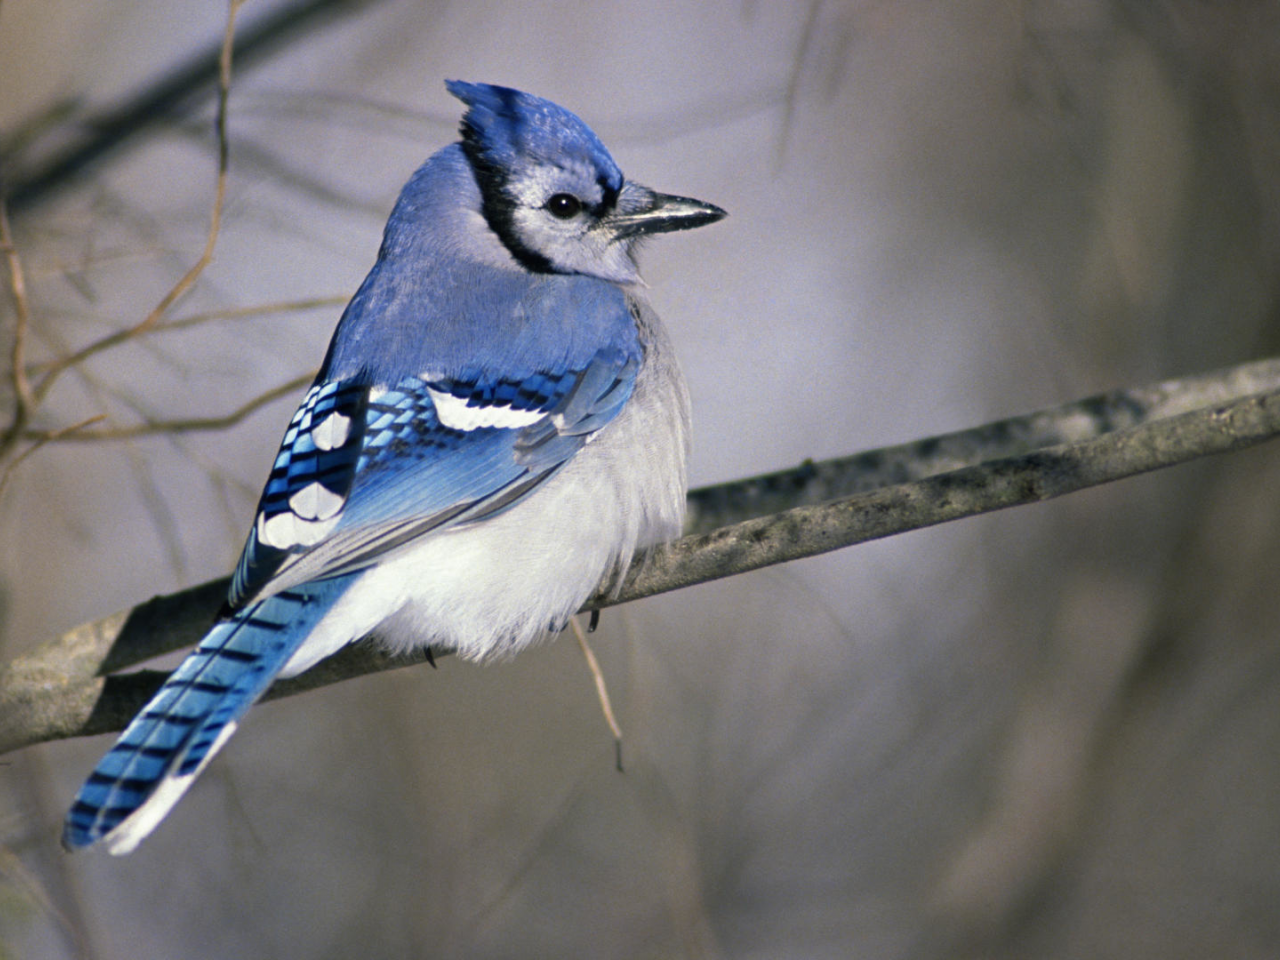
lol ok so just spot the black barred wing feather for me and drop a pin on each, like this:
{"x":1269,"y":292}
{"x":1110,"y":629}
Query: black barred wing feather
{"x":308,"y":484}
{"x":364,"y":470}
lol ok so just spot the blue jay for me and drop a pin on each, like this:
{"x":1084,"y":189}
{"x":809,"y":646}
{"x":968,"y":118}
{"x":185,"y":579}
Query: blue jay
{"x":498,"y":425}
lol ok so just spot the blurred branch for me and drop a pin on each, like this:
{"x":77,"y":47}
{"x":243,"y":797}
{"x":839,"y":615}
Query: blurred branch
{"x":61,"y":689}
{"x":792,"y":95}
{"x":169,"y":96}
{"x":812,"y":483}
{"x":261,"y":310}
{"x":23,"y":399}
{"x":230,"y":313}
{"x":29,"y":396}
{"x":22,"y":313}
{"x":188,"y":425}
{"x":211,"y":239}
{"x":40,"y":441}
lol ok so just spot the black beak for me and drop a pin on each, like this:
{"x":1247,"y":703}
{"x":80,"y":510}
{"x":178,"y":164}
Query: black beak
{"x":643,"y":211}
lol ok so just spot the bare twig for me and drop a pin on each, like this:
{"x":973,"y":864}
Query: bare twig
{"x":24,"y":400}
{"x":791,"y":97}
{"x":189,"y":278}
{"x":212,"y":316}
{"x":602,"y":689}
{"x":173,"y":94}
{"x":39,"y":442}
{"x":59,"y":690}
{"x":811,"y":483}
{"x":261,"y":310}
{"x":187,"y":425}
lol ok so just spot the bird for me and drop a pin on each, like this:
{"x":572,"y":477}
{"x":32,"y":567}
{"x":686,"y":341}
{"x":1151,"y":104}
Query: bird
{"x":498,"y":425}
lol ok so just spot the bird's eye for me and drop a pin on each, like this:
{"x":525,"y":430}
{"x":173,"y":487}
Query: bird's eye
{"x":564,"y":205}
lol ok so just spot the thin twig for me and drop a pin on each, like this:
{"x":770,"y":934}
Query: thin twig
{"x":206,"y":256}
{"x":602,"y":689}
{"x":792,"y":95}
{"x":231,"y":313}
{"x":39,"y":442}
{"x":260,"y":310}
{"x":173,"y":94}
{"x":24,"y":400}
{"x":188,"y":425}
{"x":22,"y":309}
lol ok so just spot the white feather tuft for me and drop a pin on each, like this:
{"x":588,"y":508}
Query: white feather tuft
{"x":457,"y":413}
{"x":331,"y":432}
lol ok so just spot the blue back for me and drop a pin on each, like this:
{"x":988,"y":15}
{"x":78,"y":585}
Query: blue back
{"x":434,"y":305}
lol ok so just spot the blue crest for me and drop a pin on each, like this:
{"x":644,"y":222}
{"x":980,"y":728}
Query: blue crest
{"x":503,"y":127}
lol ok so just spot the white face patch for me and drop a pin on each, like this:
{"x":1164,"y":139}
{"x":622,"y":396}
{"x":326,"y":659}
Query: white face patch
{"x":331,"y":432}
{"x":578,"y":244}
{"x":457,"y":413}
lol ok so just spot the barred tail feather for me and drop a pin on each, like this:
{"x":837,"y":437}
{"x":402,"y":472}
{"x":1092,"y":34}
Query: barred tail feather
{"x":170,"y":742}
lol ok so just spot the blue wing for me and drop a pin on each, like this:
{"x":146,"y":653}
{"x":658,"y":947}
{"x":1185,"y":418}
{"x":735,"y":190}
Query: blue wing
{"x":361,"y":471}
{"x":364,"y":470}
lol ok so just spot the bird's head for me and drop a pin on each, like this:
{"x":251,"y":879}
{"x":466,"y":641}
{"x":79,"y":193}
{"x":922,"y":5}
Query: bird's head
{"x":551,"y":191}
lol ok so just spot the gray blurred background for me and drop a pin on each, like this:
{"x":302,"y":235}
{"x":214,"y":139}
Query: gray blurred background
{"x":1053,"y":732}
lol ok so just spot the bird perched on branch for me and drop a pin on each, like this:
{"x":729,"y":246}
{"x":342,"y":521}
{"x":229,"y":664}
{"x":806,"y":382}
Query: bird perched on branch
{"x":498,"y":425}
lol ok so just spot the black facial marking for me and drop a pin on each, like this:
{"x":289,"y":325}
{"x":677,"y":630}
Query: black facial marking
{"x":609,"y":193}
{"x":496,"y":204}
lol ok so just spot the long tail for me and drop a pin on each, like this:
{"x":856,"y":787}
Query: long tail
{"x":169,"y":743}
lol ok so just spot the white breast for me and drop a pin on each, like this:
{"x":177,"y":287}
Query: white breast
{"x":489,"y":588}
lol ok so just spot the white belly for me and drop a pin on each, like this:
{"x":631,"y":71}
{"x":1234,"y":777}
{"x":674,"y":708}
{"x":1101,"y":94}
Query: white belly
{"x":487,"y":589}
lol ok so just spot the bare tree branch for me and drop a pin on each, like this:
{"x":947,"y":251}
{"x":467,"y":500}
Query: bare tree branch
{"x":22,"y":311}
{"x":29,"y":396}
{"x":39,"y":441}
{"x":189,"y":278}
{"x":23,"y":398}
{"x":811,"y":483}
{"x":261,"y":310}
{"x":61,"y":689}
{"x":187,"y":425}
{"x":212,"y":316}
{"x":172,"y":95}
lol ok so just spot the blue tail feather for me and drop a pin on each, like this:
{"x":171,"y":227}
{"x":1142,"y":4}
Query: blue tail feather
{"x":177,"y":731}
